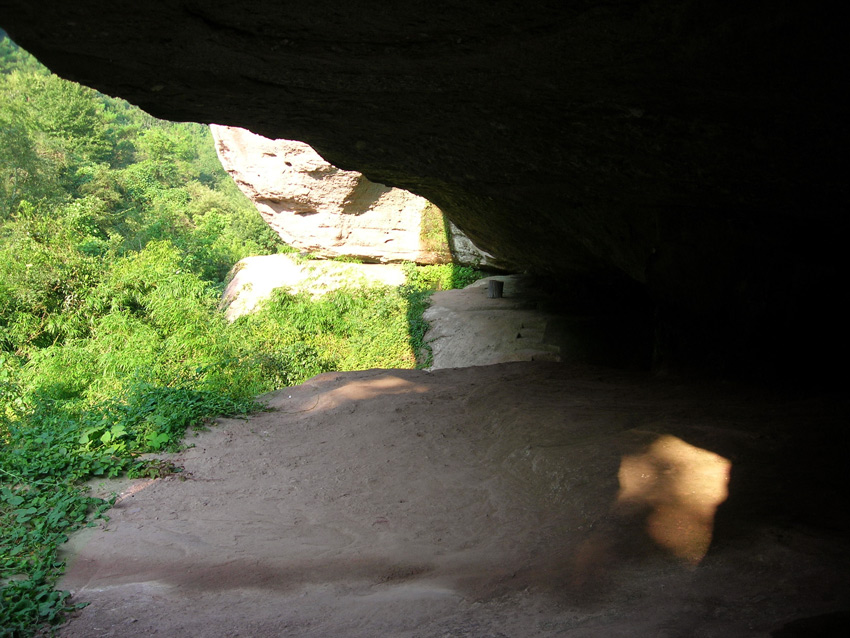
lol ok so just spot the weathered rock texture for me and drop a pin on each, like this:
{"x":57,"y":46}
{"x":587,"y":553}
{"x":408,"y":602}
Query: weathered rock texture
{"x":680,"y":157}
{"x":317,"y":207}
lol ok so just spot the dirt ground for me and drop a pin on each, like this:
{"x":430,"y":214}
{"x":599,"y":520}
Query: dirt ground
{"x":511,"y":500}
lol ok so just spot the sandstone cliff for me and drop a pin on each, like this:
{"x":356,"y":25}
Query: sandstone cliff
{"x":319,"y":208}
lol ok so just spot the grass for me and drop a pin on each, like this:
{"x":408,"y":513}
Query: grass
{"x":433,"y":233}
{"x":47,"y":455}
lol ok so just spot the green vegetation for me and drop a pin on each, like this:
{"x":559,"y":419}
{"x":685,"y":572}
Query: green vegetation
{"x":433,"y":233}
{"x":116,"y":234}
{"x":421,"y":282}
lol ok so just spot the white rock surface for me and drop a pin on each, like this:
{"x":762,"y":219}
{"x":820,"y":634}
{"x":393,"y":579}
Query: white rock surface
{"x":317,"y":207}
{"x":469,"y":329}
{"x":254,"y":279}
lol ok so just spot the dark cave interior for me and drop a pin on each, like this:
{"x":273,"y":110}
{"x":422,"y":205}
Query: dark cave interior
{"x":669,"y":165}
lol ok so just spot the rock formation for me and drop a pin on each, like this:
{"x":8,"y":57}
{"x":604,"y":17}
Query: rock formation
{"x":254,"y":278}
{"x":679,"y":160}
{"x":319,"y":208}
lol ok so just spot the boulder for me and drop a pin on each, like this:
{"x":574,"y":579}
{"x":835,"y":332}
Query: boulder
{"x":253,"y":279}
{"x":329,"y":212}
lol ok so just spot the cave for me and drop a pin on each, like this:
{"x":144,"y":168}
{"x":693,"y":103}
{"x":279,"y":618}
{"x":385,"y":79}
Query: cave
{"x":672,"y":165}
{"x":678,"y":163}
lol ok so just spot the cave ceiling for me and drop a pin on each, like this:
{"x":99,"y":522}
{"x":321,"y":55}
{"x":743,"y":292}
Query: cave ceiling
{"x":684,"y":151}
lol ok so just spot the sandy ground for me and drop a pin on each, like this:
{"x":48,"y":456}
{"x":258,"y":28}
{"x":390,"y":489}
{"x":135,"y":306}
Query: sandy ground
{"x":510,"y":500}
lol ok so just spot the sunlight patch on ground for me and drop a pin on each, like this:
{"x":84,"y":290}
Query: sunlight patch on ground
{"x":682,"y":486}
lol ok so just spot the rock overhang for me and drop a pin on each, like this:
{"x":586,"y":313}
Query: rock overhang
{"x":675,"y":160}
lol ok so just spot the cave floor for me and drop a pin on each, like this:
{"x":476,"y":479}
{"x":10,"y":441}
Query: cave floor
{"x":517,"y":499}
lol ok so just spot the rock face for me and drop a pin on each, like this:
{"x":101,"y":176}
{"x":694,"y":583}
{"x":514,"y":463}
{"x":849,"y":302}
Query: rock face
{"x":319,"y":208}
{"x":680,"y":159}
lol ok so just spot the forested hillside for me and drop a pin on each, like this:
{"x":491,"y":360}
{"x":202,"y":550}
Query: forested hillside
{"x":116,"y":234}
